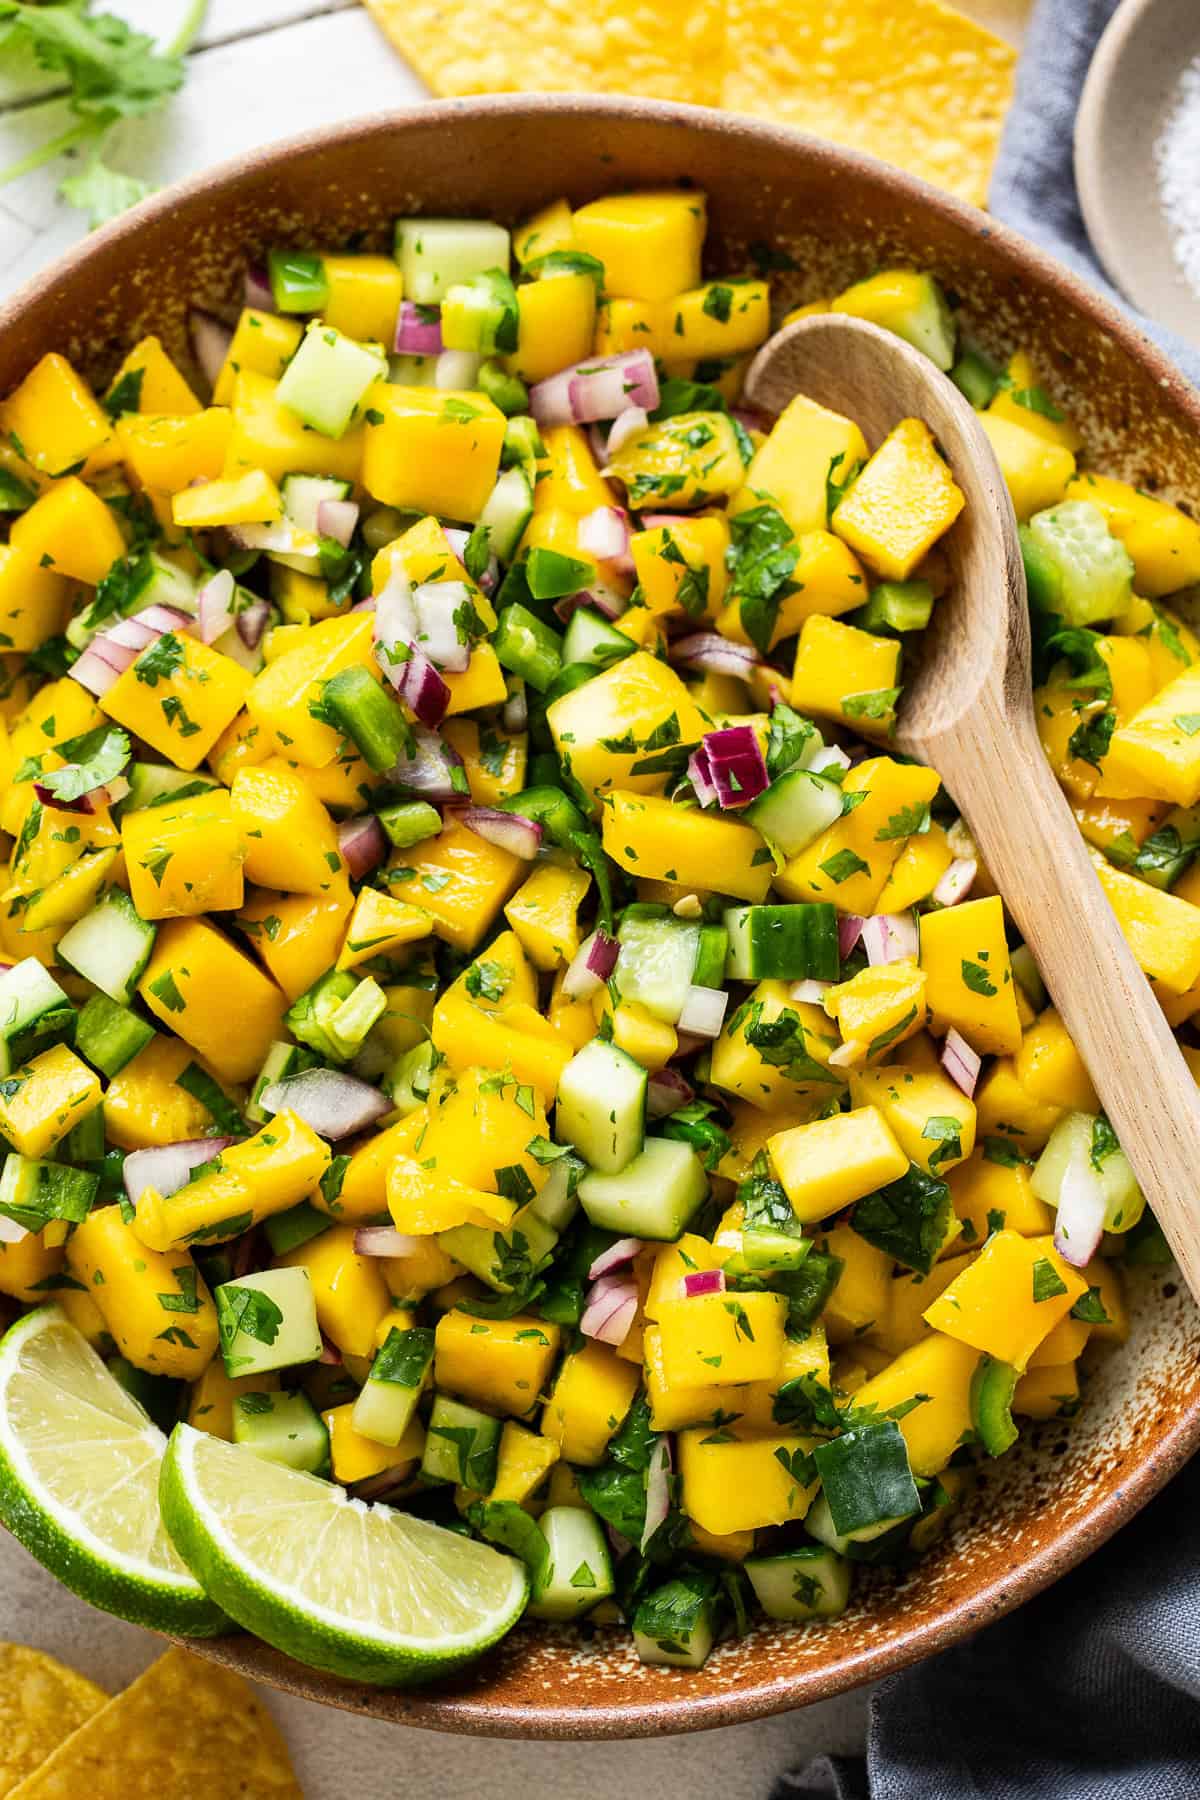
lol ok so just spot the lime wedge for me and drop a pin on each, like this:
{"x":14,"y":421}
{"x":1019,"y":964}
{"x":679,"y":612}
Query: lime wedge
{"x":79,"y":1463}
{"x":364,"y":1591}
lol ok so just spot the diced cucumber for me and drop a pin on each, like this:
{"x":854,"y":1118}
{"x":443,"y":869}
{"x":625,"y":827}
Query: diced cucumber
{"x":409,"y":822}
{"x":303,"y":494}
{"x":504,"y":1259}
{"x":507,"y":511}
{"x":298,"y":281}
{"x":866,"y":1480}
{"x":281,"y":1060}
{"x":676,"y":1623}
{"x":1074,"y":566}
{"x":412,"y":371}
{"x":109,"y":1036}
{"x":527,"y":646}
{"x":461,"y":1445}
{"x":602,"y":1106}
{"x":579,"y":1572}
{"x":153,"y":580}
{"x":897,"y":606}
{"x":783,"y":943}
{"x":267,"y":1321}
{"x":351,"y":1022}
{"x":299,"y":1225}
{"x":523,"y":446}
{"x":34,"y":1192}
{"x":657,"y":961}
{"x":284,"y":1428}
{"x":506,"y":391}
{"x":409,"y":1082}
{"x":85,"y":1142}
{"x":712,"y":953}
{"x":435,"y":254}
{"x":591,"y":639}
{"x":152,"y":783}
{"x":795,"y":810}
{"x":811,"y":1582}
{"x":1028,"y":977}
{"x":653,"y":1196}
{"x":35,"y":1014}
{"x":1170,"y":849}
{"x":1084,"y":1149}
{"x":335,"y":1014}
{"x":110,"y":946}
{"x":818,"y":1522}
{"x":975,"y":376}
{"x":388,"y":1397}
{"x":558,"y":1201}
{"x":367,"y":712}
{"x":327,"y":377}
{"x":481,"y":314}
{"x":926,"y":322}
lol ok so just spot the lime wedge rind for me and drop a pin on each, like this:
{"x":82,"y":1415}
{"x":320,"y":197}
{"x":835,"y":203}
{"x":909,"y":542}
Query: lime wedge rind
{"x":147,"y":1587}
{"x":364,"y":1592}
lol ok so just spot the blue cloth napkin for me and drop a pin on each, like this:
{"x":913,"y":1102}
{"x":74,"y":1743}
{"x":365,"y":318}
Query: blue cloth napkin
{"x":1092,"y":1691}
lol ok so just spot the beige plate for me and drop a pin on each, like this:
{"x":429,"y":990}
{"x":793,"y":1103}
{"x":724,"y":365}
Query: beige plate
{"x":1127,"y":98}
{"x":837,"y":216}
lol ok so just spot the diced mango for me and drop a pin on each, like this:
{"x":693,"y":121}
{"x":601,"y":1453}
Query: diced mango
{"x":649,"y":242}
{"x":544,"y":913}
{"x":69,"y":529}
{"x":179,"y":695}
{"x":298,"y":936}
{"x":859,"y":1302}
{"x":268,"y":436}
{"x":716,"y":1340}
{"x":556,"y":323}
{"x":290,"y":840}
{"x":1037,"y":474}
{"x":993,"y":1195}
{"x":739,"y":1067}
{"x":1163,"y":542}
{"x":931,"y":1118}
{"x":832,"y":1162}
{"x":210,"y":1403}
{"x":144,"y":1106}
{"x":184,"y":856}
{"x":460,"y":879}
{"x":349,"y":1290}
{"x":279,"y":700}
{"x":45,"y":1098}
{"x":588,"y":1402}
{"x":639,"y":705}
{"x":506,"y":1365}
{"x":57,"y":422}
{"x":157,"y":1308}
{"x":804,"y":447}
{"x":1050,"y":1068}
{"x":939,"y":1370}
{"x":431,"y":451}
{"x":850,"y":862}
{"x":904,"y":500}
{"x":33,"y":600}
{"x":878,"y":1008}
{"x":192,"y":972}
{"x":968,"y":972}
{"x":262,"y":342}
{"x":364,"y":296}
{"x":649,"y":836}
{"x":735,"y":1481}
{"x":1011,"y":1296}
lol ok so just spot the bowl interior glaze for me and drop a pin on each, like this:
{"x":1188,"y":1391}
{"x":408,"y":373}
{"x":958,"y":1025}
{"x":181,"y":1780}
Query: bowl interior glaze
{"x":837,"y":216}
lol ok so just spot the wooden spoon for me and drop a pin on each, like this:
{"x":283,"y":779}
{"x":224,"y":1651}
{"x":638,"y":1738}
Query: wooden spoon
{"x":969,"y":712}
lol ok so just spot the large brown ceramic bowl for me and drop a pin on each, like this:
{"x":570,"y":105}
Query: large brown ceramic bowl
{"x":1065,"y":1488}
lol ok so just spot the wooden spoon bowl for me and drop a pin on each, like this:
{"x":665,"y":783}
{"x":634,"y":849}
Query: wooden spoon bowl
{"x":828,"y":218}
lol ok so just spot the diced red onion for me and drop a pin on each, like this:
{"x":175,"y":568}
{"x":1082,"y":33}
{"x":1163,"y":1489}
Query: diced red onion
{"x":701,"y":777}
{"x":429,"y":771}
{"x":435,"y":604}
{"x":850,"y":928}
{"x":280,"y":539}
{"x":246,"y":1251}
{"x":591,"y":966}
{"x":388,"y":1484}
{"x":252,"y":621}
{"x":256,"y":288}
{"x":831,"y":757}
{"x":384,"y":1240}
{"x":736,"y":765}
{"x":168,"y":1167}
{"x":666,"y":1092}
{"x":113,"y":651}
{"x":330,"y":1355}
{"x":702,"y":1281}
{"x":11,"y":1232}
{"x":96,"y":672}
{"x":508,"y":831}
{"x":704,"y":1011}
{"x":658,"y":1489}
{"x":601,"y":388}
{"x":626,"y":425}
{"x":748,"y":417}
{"x":600,"y":595}
{"x":1079,"y":1225}
{"x":604,"y":534}
{"x":395,"y":618}
{"x":210,"y":341}
{"x":422,"y":689}
{"x":337,"y":519}
{"x":889,"y":937}
{"x":956,"y":883}
{"x":335,"y":1104}
{"x":809,"y":992}
{"x":134,"y":634}
{"x":91,"y":802}
{"x":516,"y":708}
{"x":961,"y":1063}
{"x":362,"y":843}
{"x":689,"y":1042}
{"x":457,"y":369}
{"x":610,"y":1311}
{"x":214,"y":606}
{"x":615,"y":1257}
{"x":714,"y":655}
{"x":417,"y":333}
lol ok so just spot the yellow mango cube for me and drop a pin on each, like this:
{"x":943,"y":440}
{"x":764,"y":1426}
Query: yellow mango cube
{"x":940,"y":1368}
{"x":1048,"y":1393}
{"x":26,"y":1267}
{"x":298,"y":936}
{"x":1163,"y":542}
{"x":717,"y":1340}
{"x":846,"y":674}
{"x":859,"y":1302}
{"x":348,"y":1289}
{"x":252,"y":1180}
{"x":290,"y":840}
{"x":593,"y":1392}
{"x":184,"y":856}
{"x":739,"y":1067}
{"x":268,"y":436}
{"x":250,"y":499}
{"x":1037,"y":474}
{"x":179,"y":695}
{"x":210,"y":1403}
{"x":516,"y":1039}
{"x":494,"y":761}
{"x":991,"y":1195}
{"x":721,"y":318}
{"x":49,"y":1095}
{"x":917,"y":870}
{"x":623,"y":325}
{"x":378,"y":925}
{"x":828,"y":1164}
{"x":1050,"y":1068}
{"x":556,"y":323}
{"x":550,"y":228}
{"x":968,"y":975}
{"x":144,"y":1106}
{"x":909,"y":1293}
{"x":165,"y":453}
{"x":1011,"y":1296}
{"x":672,"y":1408}
{"x":1162,"y":929}
{"x":187,"y":984}
{"x":638,"y":700}
{"x":931,"y":1118}
{"x":569,"y":480}
{"x":904,"y":500}
{"x":480,"y":684}
{"x":1023,"y":400}
{"x":649,"y":1040}
{"x":56,"y":421}
{"x":649,"y":242}
{"x":33,"y":600}
{"x":127,"y":1281}
{"x":649,"y":836}
{"x":1065,"y":1344}
{"x":152,"y":382}
{"x":280,"y":697}
{"x":1156,"y":753}
{"x":506,"y":1366}
{"x":431,"y":451}
{"x":849,"y":863}
{"x":544,"y":913}
{"x":480,"y":1130}
{"x":523,"y":1461}
{"x":1005,"y":1108}
{"x":680,"y":567}
{"x":262,"y":342}
{"x":735,"y":1481}
{"x":364,"y":296}
{"x":878,"y":1008}
{"x":353,"y":1457}
{"x":459,"y":878}
{"x":828,"y":580}
{"x":806,"y":444}
{"x":689,"y":459}
{"x":70,"y":530}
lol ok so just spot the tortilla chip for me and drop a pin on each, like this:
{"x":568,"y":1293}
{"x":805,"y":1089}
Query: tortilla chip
{"x":186,"y":1730}
{"x":666,"y":49}
{"x":918,"y":85}
{"x":41,"y":1703}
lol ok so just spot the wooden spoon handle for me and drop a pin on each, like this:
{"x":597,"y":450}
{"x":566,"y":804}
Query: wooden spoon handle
{"x":994,"y":767}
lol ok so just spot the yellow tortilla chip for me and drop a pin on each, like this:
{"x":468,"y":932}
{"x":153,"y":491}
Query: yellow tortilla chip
{"x":918,"y":85}
{"x":41,"y":1703}
{"x":186,"y":1729}
{"x":665,"y":49}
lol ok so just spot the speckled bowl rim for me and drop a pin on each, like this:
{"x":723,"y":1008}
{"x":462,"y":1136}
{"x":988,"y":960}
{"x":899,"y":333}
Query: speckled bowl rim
{"x":441,"y":1708}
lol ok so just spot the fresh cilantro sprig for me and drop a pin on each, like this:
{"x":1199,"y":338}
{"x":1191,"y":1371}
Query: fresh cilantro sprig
{"x":111,"y":72}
